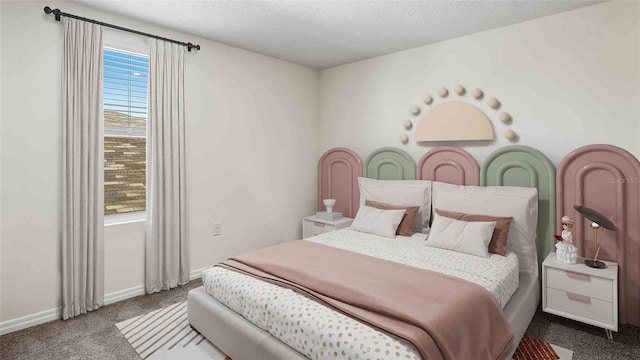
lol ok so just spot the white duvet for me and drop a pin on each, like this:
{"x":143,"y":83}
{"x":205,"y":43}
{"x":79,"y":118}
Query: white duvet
{"x":319,"y":332}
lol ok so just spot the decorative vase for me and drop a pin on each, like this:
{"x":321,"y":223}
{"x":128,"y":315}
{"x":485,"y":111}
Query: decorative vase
{"x":329,"y":203}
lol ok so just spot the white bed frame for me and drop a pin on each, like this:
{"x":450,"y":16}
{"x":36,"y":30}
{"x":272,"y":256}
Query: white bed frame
{"x":242,"y":340}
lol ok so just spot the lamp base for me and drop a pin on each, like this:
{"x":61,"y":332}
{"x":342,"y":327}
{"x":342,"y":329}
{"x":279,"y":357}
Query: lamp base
{"x":595,"y":264}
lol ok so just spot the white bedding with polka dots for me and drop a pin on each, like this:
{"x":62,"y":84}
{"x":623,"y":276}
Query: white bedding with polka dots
{"x":318,"y":332}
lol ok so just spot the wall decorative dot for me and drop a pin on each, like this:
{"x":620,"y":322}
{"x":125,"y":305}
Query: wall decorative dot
{"x":510,"y":134}
{"x":493,"y":102}
{"x":440,"y":109}
{"x":504,"y":117}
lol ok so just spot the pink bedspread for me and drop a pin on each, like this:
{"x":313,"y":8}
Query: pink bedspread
{"x":442,"y":316}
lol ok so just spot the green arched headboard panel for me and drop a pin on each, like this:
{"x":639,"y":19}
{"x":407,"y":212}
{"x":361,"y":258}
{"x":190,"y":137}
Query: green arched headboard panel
{"x":523,"y":166}
{"x":390,"y":163}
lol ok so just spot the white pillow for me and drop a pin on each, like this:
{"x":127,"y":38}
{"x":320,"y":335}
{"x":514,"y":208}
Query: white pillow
{"x":400,"y":193}
{"x":377,"y":221}
{"x":518,"y":202}
{"x":469,"y":237}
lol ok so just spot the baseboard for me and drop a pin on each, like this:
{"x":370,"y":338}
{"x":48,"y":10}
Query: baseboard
{"x":30,"y":320}
{"x":197,"y":274}
{"x":45,"y":316}
{"x":120,"y":295}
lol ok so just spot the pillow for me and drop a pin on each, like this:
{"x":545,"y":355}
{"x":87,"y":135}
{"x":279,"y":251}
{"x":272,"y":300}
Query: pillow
{"x":521,"y":203}
{"x":376,"y":221}
{"x":469,"y":237}
{"x":400,"y":193}
{"x":498,"y":244}
{"x":409,"y":218}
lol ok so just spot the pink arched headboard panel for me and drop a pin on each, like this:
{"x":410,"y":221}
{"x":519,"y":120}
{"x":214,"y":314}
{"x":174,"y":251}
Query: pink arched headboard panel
{"x":606,"y":178}
{"x":338,"y":172}
{"x":449,"y":164}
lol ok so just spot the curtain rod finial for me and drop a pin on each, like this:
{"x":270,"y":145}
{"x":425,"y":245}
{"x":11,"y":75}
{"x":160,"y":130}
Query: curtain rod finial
{"x":56,"y":12}
{"x":192,"y":46}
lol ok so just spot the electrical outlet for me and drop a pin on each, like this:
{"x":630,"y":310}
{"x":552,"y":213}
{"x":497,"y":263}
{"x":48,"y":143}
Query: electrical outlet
{"x":217,"y":229}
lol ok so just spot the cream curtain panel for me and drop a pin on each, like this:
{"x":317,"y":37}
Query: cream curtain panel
{"x":82,"y":212}
{"x":167,"y":247}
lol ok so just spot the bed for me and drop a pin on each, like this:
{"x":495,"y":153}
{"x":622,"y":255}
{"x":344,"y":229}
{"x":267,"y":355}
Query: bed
{"x":238,"y":327}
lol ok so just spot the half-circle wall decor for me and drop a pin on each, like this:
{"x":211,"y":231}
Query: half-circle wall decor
{"x":606,"y":178}
{"x":390,"y":163}
{"x":454,"y":121}
{"x":449,"y":164}
{"x":524,"y":166}
{"x":457,"y":120}
{"x":338,"y":172}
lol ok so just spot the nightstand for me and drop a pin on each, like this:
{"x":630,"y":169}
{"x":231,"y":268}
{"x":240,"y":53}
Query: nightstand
{"x":581,"y":293}
{"x":313,"y":225}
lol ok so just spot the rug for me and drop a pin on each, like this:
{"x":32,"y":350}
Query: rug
{"x":531,"y":348}
{"x":166,"y":334}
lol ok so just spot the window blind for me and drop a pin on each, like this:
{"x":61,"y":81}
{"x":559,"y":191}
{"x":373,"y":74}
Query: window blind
{"x":125,"y":86}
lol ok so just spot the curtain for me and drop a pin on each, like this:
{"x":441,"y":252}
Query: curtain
{"x":82,"y":209}
{"x":167,"y":247}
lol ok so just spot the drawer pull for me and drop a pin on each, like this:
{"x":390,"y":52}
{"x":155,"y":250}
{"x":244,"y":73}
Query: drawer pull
{"x":318,"y":224}
{"x":578,"y":276}
{"x":577,"y":297}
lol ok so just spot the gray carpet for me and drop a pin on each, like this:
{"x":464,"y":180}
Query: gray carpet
{"x":94,"y":335}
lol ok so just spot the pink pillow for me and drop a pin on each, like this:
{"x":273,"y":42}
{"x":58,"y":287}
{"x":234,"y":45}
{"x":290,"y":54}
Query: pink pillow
{"x":498,"y":244}
{"x":409,"y":218}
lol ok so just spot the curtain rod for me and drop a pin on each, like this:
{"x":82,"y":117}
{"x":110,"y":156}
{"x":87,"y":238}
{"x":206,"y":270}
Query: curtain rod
{"x":57,"y":13}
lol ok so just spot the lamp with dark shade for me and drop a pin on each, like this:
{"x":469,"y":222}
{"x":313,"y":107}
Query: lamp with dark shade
{"x":597,"y":221}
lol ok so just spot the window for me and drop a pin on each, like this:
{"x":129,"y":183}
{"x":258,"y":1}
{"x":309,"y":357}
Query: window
{"x":126,"y":77}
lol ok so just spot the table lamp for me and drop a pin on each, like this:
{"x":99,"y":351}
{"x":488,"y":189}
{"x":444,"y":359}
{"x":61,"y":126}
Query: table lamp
{"x":597,"y":221}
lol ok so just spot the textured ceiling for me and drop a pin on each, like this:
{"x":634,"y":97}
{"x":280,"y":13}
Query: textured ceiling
{"x":322,"y":34}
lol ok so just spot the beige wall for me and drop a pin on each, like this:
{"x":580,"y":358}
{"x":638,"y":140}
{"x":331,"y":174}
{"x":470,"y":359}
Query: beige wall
{"x":252,"y":152}
{"x":568,"y":80}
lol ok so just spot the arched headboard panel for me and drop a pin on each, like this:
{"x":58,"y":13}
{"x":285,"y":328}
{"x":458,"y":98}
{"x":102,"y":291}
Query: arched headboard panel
{"x":523,"y":166}
{"x":390,"y":163}
{"x":449,"y":164}
{"x":338,"y":172}
{"x":606,"y":178}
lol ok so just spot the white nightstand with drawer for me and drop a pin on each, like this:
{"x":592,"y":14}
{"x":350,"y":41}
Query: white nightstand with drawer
{"x":313,"y":225}
{"x":581,"y":293}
